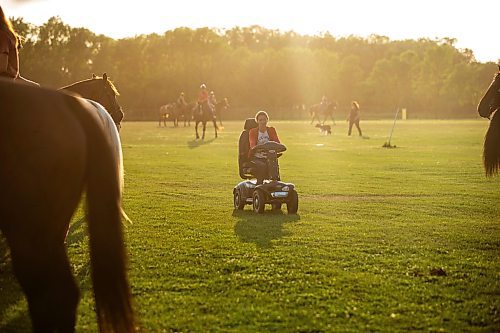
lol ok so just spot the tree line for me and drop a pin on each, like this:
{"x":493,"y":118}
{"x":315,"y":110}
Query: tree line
{"x":259,"y":68}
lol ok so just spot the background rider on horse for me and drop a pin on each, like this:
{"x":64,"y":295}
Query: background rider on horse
{"x":203,"y":97}
{"x":323,"y":104}
{"x":212,"y":100}
{"x":181,"y":101}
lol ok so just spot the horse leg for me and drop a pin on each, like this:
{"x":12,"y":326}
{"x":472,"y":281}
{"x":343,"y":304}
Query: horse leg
{"x":42,"y":268}
{"x":36,"y":239}
{"x":196,"y":129}
{"x":215,"y":126}
{"x":204,"y":128}
{"x":315,"y":117}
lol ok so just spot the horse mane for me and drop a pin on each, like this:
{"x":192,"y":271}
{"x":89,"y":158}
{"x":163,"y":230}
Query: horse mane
{"x":491,"y":148}
{"x":95,"y":77}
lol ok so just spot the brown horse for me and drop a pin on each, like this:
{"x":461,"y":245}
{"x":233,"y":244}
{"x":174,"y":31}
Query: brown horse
{"x":46,"y":164}
{"x":220,"y":108}
{"x":167,"y":111}
{"x":202,"y":114}
{"x":489,"y":107}
{"x":318,"y":112}
{"x":101,"y":90}
{"x":185,"y":112}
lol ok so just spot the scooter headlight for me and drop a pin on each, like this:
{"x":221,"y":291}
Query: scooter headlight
{"x":285,"y":188}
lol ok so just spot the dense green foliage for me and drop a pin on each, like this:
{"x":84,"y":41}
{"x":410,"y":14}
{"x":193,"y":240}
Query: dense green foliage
{"x":385,"y":240}
{"x":260,"y":68}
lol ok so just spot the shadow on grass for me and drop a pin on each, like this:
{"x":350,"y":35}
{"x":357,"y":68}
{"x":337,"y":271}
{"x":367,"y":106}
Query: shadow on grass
{"x":197,"y":143}
{"x":11,"y":294}
{"x":262,"y":229}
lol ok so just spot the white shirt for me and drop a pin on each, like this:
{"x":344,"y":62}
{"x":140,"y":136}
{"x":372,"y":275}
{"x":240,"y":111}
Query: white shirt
{"x":263,"y":137}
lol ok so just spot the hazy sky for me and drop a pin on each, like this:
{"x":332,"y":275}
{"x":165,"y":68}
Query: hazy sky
{"x":472,"y":23}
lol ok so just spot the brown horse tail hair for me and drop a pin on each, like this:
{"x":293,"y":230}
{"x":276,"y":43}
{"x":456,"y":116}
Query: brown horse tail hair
{"x":107,"y":252}
{"x":491,"y":149}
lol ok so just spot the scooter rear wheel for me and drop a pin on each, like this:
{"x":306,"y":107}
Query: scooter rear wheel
{"x":292,"y":204}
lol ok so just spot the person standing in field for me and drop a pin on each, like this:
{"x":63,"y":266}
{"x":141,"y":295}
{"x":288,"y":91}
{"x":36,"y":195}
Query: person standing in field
{"x":353,"y":118}
{"x":9,"y":55}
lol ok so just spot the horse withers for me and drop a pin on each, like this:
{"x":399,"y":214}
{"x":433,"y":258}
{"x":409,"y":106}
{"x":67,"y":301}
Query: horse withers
{"x":489,"y":107}
{"x":52,"y":147}
{"x":101,"y":90}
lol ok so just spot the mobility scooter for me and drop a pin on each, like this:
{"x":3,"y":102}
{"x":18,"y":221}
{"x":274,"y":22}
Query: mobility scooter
{"x":273,"y":191}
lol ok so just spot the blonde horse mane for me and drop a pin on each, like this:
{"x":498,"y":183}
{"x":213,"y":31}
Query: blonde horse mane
{"x":491,"y":149}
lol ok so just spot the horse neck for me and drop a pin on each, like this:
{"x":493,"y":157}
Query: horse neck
{"x":484,"y":106}
{"x":82,"y":88}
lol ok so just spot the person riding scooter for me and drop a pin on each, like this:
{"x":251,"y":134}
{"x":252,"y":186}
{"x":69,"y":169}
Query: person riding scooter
{"x":258,"y":136}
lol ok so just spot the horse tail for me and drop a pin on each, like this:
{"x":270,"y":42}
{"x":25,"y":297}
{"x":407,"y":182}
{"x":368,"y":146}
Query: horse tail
{"x":107,"y":253}
{"x":491,"y":149}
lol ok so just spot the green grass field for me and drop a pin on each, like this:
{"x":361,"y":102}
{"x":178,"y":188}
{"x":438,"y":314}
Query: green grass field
{"x":385,"y":240}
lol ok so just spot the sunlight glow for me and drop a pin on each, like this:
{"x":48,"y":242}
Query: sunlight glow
{"x":395,"y":19}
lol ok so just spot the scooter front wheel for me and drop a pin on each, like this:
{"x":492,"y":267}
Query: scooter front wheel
{"x":258,"y":202}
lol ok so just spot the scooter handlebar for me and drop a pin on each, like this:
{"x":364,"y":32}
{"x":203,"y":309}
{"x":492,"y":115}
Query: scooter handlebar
{"x":270,"y":146}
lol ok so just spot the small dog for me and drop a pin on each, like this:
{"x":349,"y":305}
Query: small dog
{"x":324,"y":129}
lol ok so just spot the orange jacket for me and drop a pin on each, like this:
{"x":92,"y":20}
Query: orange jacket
{"x":203,"y":96}
{"x":253,"y":136}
